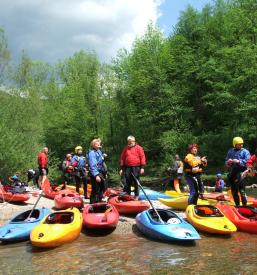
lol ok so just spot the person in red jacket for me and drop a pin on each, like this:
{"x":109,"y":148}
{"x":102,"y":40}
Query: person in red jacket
{"x":132,"y":160}
{"x":42,"y":160}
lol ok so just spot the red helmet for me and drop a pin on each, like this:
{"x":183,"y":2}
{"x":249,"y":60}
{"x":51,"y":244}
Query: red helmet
{"x":191,"y":146}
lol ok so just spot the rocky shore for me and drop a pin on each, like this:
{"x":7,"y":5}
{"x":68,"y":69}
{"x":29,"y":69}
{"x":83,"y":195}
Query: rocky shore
{"x":8,"y":210}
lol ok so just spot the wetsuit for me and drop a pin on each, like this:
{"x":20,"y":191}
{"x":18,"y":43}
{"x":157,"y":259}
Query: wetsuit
{"x":193,"y":169}
{"x":235,"y":170}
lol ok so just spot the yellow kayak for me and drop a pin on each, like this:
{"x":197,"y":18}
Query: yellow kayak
{"x":73,"y":188}
{"x":57,"y":228}
{"x":208,"y":218}
{"x":182,"y":202}
{"x":174,"y":193}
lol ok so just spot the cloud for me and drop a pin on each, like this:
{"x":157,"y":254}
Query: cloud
{"x":50,"y":30}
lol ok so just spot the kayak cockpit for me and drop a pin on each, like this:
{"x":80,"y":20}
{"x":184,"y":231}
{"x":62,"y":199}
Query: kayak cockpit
{"x":60,"y":218}
{"x":207,"y":211}
{"x":23,"y":217}
{"x":99,"y":208}
{"x":167,"y":216}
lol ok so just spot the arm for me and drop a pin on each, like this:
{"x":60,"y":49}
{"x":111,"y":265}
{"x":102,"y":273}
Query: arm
{"x":250,"y":162}
{"x":142,"y":156}
{"x":246,"y":156}
{"x":93,"y":164}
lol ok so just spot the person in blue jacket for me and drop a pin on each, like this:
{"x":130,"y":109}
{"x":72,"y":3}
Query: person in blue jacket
{"x":220,"y":184}
{"x":236,"y":162}
{"x":78,"y":162}
{"x":97,"y":171}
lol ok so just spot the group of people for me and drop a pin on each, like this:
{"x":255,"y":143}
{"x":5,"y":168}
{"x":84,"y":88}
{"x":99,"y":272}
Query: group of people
{"x":238,"y":161}
{"x":132,"y":161}
{"x":92,"y":168}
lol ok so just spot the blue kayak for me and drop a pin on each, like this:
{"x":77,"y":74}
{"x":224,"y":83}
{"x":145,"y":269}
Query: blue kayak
{"x":152,"y":195}
{"x":174,"y":227}
{"x":19,"y":228}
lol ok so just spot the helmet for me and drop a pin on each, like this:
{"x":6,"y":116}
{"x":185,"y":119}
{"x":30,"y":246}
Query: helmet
{"x":14,"y":177}
{"x":191,"y":146}
{"x":78,"y":148}
{"x":237,"y":140}
{"x":219,"y":175}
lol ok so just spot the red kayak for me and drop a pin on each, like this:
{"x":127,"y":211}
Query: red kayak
{"x":67,"y":198}
{"x":216,"y":196}
{"x":128,"y":205}
{"x":110,"y":192}
{"x":12,"y":197}
{"x":48,"y":190}
{"x":244,"y":217}
{"x":100,"y":216}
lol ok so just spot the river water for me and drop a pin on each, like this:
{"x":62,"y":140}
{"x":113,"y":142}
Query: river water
{"x":132,"y":253}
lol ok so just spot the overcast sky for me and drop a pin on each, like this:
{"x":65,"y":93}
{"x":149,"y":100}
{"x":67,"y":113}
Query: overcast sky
{"x":51,"y":30}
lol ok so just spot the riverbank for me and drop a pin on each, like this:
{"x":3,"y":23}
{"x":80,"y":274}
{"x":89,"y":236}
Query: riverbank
{"x":9,"y":210}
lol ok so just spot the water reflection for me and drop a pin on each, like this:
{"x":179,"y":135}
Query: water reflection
{"x":132,"y":253}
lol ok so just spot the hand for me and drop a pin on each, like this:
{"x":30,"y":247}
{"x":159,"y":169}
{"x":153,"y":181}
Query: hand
{"x":244,"y":174}
{"x":235,"y":160}
{"x":229,"y":162}
{"x":195,"y":169}
{"x":121,"y":172}
{"x":142,"y":171}
{"x":98,"y":179}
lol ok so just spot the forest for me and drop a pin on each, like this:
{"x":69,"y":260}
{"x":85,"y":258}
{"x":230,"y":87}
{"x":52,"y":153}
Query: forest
{"x":199,"y":85}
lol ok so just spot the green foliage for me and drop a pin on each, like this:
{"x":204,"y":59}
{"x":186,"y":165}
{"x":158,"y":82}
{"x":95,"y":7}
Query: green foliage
{"x":198,"y":85}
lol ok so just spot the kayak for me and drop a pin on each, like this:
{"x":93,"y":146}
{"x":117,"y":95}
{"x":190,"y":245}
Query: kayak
{"x":12,"y":197}
{"x":19,"y":227}
{"x":182,"y":202}
{"x":174,"y":227}
{"x":81,"y":190}
{"x":47,"y":189}
{"x":128,"y":205}
{"x":250,"y":200}
{"x":66,"y":198}
{"x":244,"y":217}
{"x":214,"y":195}
{"x":174,"y":193}
{"x":152,"y":195}
{"x":208,"y":218}
{"x":100,"y":216}
{"x":57,"y":228}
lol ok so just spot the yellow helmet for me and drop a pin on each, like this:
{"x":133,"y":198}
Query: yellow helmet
{"x":237,"y":140}
{"x":78,"y":148}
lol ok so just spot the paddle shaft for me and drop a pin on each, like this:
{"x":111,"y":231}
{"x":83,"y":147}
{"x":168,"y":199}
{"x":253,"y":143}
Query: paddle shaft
{"x":160,"y":219}
{"x":39,"y":197}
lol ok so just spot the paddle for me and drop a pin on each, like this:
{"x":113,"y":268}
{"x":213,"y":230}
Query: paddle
{"x":159,"y":217}
{"x":39,"y":197}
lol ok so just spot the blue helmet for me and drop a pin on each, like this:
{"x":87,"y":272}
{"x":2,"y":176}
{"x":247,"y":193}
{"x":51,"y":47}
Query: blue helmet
{"x":219,"y":175}
{"x":14,"y":177}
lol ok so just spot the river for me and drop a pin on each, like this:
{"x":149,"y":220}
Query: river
{"x":132,"y":253}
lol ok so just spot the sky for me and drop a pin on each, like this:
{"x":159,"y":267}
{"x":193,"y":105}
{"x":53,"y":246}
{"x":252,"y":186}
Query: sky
{"x":52,"y":30}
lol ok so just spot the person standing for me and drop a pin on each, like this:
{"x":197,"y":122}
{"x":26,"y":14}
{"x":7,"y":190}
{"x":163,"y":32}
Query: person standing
{"x":132,"y":160}
{"x":176,"y":171}
{"x":68,"y":170}
{"x":236,"y":160}
{"x":78,"y":163}
{"x":97,"y":170}
{"x":193,"y":167}
{"x":219,"y":184}
{"x":42,"y":160}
